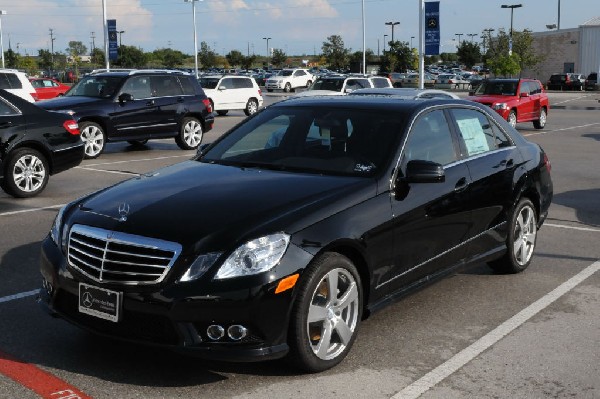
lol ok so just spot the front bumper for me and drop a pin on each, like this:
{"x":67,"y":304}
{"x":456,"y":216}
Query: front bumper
{"x":176,"y":315}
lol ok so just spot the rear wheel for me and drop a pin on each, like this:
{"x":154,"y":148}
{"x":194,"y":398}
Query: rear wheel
{"x":26,"y":173}
{"x":540,"y":123}
{"x":521,"y":240}
{"x":326,"y":313}
{"x":94,"y":138}
{"x":190,"y":135}
{"x":512,"y":118}
{"x":251,"y":107}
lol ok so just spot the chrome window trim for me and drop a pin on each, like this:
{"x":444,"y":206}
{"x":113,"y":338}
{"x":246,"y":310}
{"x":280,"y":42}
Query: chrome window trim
{"x":439,"y":255}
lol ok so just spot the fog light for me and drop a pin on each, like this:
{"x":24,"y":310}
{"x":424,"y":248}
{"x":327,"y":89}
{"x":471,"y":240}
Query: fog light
{"x":215,"y":332}
{"x":237,"y":332}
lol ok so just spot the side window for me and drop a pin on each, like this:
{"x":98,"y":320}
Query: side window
{"x":186,"y":84}
{"x":525,"y":88}
{"x":478,"y":132}
{"x":14,"y":81}
{"x":226,"y":84}
{"x":166,"y":86}
{"x":430,"y":140}
{"x":6,"y":109}
{"x":138,"y":87}
{"x":4,"y":83}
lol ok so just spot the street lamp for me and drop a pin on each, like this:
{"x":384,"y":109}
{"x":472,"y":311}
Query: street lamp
{"x":459,"y":35}
{"x":195,"y":36}
{"x":2,"y":12}
{"x":411,"y":39}
{"x":471,"y":36}
{"x":384,"y":36}
{"x":392,"y":24}
{"x":512,"y":9}
{"x":268,"y":54}
{"x":120,"y":32}
{"x":486,"y":38}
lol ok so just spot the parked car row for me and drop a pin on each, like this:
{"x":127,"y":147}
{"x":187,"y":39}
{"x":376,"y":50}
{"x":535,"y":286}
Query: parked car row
{"x":340,"y":85}
{"x":573,"y":81}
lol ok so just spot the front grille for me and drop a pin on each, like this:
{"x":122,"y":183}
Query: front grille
{"x":113,"y":257}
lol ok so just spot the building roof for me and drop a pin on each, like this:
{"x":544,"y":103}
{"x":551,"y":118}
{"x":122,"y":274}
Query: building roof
{"x":592,"y":22}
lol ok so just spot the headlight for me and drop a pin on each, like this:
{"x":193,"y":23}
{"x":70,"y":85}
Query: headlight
{"x":56,"y":229}
{"x":255,"y":256}
{"x":500,"y":106}
{"x":200,"y":266}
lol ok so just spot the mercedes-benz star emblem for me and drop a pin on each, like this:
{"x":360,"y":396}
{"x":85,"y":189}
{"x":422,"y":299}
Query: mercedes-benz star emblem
{"x":123,"y":211}
{"x":87,"y":299}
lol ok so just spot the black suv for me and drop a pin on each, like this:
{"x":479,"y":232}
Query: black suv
{"x":591,"y":83}
{"x":136,"y":106}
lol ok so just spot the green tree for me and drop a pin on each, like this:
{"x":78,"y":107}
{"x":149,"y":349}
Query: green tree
{"x":278,"y":58}
{"x":168,"y":57}
{"x":29,"y":65}
{"x":76,"y":49}
{"x":131,"y":57}
{"x":45,"y":59}
{"x":356,"y":57}
{"x":248,"y":61}
{"x":469,"y":53}
{"x":11,"y":59}
{"x":334,"y":52}
{"x":505,"y":65}
{"x":235,"y":58}
{"x":497,"y":52}
{"x":398,"y":58}
{"x":207,"y":57}
{"x":98,"y":56}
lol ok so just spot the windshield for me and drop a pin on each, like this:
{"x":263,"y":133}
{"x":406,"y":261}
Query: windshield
{"x":331,"y":141}
{"x":209,"y":83}
{"x":96,"y":86}
{"x":328,"y":84}
{"x":286,"y":73}
{"x":505,"y":88}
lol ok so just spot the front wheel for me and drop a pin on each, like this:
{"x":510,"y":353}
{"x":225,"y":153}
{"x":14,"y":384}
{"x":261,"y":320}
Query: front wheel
{"x":512,"y":118}
{"x":540,"y":123}
{"x":521,"y":240}
{"x":287,"y":88}
{"x":251,"y":107}
{"x":94,"y":138}
{"x":190,"y":134}
{"x":26,"y":173}
{"x":326,"y":314}
{"x":308,"y":84}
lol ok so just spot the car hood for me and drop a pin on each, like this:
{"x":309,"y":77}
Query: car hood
{"x":489,"y":99}
{"x":68,"y":102}
{"x":203,"y":205}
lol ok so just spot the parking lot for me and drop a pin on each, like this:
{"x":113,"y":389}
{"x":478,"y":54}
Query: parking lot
{"x":474,"y":334}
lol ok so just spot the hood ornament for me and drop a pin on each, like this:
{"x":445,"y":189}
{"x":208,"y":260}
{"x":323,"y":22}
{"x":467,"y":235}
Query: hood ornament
{"x":123,"y":211}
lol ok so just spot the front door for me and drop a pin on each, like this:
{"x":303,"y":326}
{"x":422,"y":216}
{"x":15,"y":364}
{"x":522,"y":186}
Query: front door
{"x":136,"y":117}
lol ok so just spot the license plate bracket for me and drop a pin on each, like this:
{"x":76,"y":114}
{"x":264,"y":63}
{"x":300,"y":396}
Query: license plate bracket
{"x":100,"y":302}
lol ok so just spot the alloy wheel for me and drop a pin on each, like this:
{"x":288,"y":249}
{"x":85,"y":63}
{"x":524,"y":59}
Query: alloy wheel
{"x":524,"y":236}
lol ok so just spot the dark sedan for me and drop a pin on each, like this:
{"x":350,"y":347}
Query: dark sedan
{"x":34,"y":144}
{"x":281,"y":236}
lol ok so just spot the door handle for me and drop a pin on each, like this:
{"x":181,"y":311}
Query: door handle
{"x":180,"y":100}
{"x":5,"y":124}
{"x":507,"y":164}
{"x":461,"y":184}
{"x":150,"y":103}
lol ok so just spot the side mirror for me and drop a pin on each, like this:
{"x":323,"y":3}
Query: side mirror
{"x":419,"y":171}
{"x":524,"y":95}
{"x":125,"y":97}
{"x":221,"y":88}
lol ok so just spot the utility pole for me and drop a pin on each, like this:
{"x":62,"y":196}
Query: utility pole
{"x":93,"y":42}
{"x":52,"y":39}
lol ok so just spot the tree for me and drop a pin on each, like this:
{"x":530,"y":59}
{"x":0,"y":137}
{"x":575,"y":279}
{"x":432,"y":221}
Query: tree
{"x":98,"y":56}
{"x":469,"y":54}
{"x":235,"y":57}
{"x":356,"y":58}
{"x":505,"y":65}
{"x":497,"y":53}
{"x":207,"y":57}
{"x":76,"y":49}
{"x":29,"y":65}
{"x":247,"y":62}
{"x":131,"y":57}
{"x":45,"y":59}
{"x":11,"y":58}
{"x":168,"y":58}
{"x":399,"y":57}
{"x":335,"y":53}
{"x":278,"y":58}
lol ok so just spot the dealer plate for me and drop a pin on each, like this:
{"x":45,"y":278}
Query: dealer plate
{"x":100,"y":302}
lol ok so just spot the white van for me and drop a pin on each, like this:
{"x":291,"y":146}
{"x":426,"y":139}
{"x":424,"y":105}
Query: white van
{"x":17,"y":83}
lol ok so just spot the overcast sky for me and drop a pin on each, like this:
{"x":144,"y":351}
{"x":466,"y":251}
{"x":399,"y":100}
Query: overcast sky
{"x":295,"y":26}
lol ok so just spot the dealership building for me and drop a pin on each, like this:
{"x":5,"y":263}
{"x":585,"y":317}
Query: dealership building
{"x":567,"y":50}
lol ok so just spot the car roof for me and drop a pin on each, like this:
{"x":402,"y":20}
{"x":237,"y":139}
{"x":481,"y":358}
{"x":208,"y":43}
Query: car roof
{"x":404,"y":93}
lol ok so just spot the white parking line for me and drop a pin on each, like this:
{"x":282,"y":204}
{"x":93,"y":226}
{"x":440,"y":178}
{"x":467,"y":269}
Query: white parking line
{"x":571,"y":99}
{"x":18,"y":296}
{"x":459,"y":360}
{"x":133,"y":160}
{"x":562,"y":226}
{"x":31,"y":210}
{"x":115,"y":172}
{"x":561,"y":130}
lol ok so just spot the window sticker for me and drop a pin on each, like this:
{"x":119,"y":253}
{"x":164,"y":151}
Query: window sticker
{"x":473,"y":135}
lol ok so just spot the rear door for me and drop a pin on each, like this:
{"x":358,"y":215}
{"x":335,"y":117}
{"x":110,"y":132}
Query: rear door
{"x":169,"y":98}
{"x":526,"y":102}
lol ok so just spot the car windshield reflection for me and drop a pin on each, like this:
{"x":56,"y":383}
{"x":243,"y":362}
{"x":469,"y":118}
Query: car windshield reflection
{"x":99,"y":87}
{"x":497,"y":88}
{"x":333,"y":141}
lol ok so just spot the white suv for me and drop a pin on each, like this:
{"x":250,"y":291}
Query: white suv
{"x":289,"y":79}
{"x":17,"y":83}
{"x":232,"y":92}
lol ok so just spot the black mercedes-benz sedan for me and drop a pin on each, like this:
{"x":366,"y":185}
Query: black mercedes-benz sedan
{"x":34,"y":144}
{"x":281,"y":236}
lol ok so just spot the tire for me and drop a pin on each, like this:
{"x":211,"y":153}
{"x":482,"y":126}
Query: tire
{"x":521,"y":240}
{"x":540,"y":123}
{"x":94,"y":138}
{"x":251,"y":107}
{"x":26,"y":173}
{"x":137,"y":142}
{"x":323,"y":328}
{"x":222,"y":112}
{"x":308,"y":84}
{"x":512,"y":118}
{"x":287,"y":88}
{"x":190,"y":134}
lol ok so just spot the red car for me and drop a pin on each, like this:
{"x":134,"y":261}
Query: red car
{"x":516,"y":100}
{"x":48,"y":88}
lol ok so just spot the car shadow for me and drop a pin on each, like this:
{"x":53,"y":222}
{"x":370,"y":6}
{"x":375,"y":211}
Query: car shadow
{"x":584,"y":202}
{"x":595,"y":136}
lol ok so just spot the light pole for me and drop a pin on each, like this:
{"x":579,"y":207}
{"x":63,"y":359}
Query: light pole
{"x":471,"y":36}
{"x":268,"y":55}
{"x":2,"y":12}
{"x":392,"y":24}
{"x":512,"y":9}
{"x":195,"y":35}
{"x":487,"y":37}
{"x":120,"y":32}
{"x":364,"y":54}
{"x":459,"y":35}
{"x":384,"y":36}
{"x":558,"y":26}
{"x":411,"y":39}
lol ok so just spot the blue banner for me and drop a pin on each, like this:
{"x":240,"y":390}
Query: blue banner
{"x":113,"y":47}
{"x":432,"y":28}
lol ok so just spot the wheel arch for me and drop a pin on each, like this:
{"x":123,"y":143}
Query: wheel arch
{"x":34,"y":145}
{"x":97,"y":120}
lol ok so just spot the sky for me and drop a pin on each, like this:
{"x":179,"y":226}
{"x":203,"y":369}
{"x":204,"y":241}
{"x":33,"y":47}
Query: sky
{"x":295,"y":26}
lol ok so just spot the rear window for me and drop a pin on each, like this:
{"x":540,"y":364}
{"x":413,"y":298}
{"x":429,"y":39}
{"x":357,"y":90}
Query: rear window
{"x":242,"y":83}
{"x":10,"y":81}
{"x":593,"y":76}
{"x":187,"y":85}
{"x":209,"y":83}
